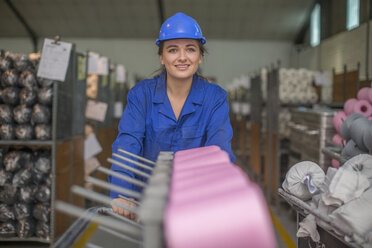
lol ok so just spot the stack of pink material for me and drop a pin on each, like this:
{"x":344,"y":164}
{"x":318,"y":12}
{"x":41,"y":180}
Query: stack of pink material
{"x":213,"y":204}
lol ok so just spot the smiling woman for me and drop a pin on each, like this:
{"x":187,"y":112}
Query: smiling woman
{"x":175,"y":110}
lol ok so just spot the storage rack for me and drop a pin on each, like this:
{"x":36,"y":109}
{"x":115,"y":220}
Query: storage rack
{"x":66,"y":128}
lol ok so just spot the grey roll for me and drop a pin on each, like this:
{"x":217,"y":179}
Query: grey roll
{"x":357,"y":130}
{"x":345,"y":126}
{"x":367,"y":137}
{"x":350,"y":150}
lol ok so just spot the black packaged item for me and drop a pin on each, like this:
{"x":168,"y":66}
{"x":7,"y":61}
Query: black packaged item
{"x":22,"y":211}
{"x":28,"y":96}
{"x":23,"y":63}
{"x":3,"y":151}
{"x":38,"y":177}
{"x":7,"y":132}
{"x":43,"y":193}
{"x":45,"y":96}
{"x":22,"y":114}
{"x":42,"y":230}
{"x":6,"y":63}
{"x":40,"y":114}
{"x":7,"y":230}
{"x":25,"y":228}
{"x":9,"y":194}
{"x":9,"y":79}
{"x":13,"y":161}
{"x":45,"y":83}
{"x":43,"y":132}
{"x":27,"y":156}
{"x":6,"y":114}
{"x":10,"y":95}
{"x":27,"y":193}
{"x":43,"y":163}
{"x":6,"y":213}
{"x":41,"y":212}
{"x":27,"y":79}
{"x":24,"y":132}
{"x":22,"y":177}
{"x":48,"y":180}
{"x":5,"y":177}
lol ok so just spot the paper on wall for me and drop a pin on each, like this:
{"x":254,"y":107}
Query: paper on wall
{"x":103,"y":66}
{"x":91,"y":146}
{"x":93,"y":63}
{"x":322,"y":78}
{"x":96,"y":110}
{"x":118,"y":109}
{"x":54,"y":60}
{"x":90,"y":165}
{"x":120,"y":73}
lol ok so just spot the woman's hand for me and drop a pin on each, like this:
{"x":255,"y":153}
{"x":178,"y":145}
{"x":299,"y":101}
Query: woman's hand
{"x":121,"y":211}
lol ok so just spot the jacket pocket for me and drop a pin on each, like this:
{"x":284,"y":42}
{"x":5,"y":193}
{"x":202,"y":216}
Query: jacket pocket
{"x":191,"y":132}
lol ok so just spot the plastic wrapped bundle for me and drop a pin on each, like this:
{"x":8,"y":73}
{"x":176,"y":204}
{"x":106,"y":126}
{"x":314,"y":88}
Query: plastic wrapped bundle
{"x":43,"y":163}
{"x":27,"y":158}
{"x":6,"y":213}
{"x":5,"y":177}
{"x":43,"y":132}
{"x":22,"y":114}
{"x":27,"y":193}
{"x":6,"y":114}
{"x":48,"y":181}
{"x":7,"y":230}
{"x":9,"y":78}
{"x":10,"y":95}
{"x":6,"y":63}
{"x":27,"y":79}
{"x":42,"y":230}
{"x":24,"y":132}
{"x":22,"y":211}
{"x":3,"y":151}
{"x":25,"y":228}
{"x":28,"y":96}
{"x":41,"y":212}
{"x":9,"y":194}
{"x":45,"y":96}
{"x":43,"y":193}
{"x":40,"y":114}
{"x":7,"y":132}
{"x":13,"y":161}
{"x":23,"y":63}
{"x":45,"y":83}
{"x":22,"y":177}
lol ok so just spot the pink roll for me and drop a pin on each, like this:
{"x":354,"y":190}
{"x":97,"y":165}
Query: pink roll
{"x":369,"y":118}
{"x":237,"y":219}
{"x":338,"y":140}
{"x":335,"y":163}
{"x":190,"y":156}
{"x":349,"y":106}
{"x":338,"y":118}
{"x":363,"y":93}
{"x":363,"y":107}
{"x":212,"y":158}
{"x":196,"y":150}
{"x":191,"y":173}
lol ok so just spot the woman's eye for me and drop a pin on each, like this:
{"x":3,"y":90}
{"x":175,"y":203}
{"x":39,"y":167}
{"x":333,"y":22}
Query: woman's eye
{"x":172,"y":50}
{"x":190,"y":49}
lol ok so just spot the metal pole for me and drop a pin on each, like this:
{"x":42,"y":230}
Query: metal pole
{"x":143,"y":166}
{"x":121,"y":176}
{"x":137,"y":157}
{"x":130,"y":168}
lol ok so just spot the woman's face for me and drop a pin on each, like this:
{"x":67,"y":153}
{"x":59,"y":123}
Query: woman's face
{"x":181,"y":58}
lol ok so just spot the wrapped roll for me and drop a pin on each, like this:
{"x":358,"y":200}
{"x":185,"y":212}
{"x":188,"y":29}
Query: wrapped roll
{"x":7,"y":230}
{"x":22,"y":114}
{"x":42,"y":230}
{"x":345,"y":126}
{"x":25,"y":228}
{"x":13,"y":161}
{"x":5,"y":177}
{"x":8,"y":194}
{"x":45,"y":83}
{"x":6,"y":213}
{"x":23,"y":63}
{"x":28,"y":96}
{"x":350,"y":150}
{"x":335,"y":163}
{"x":358,"y":128}
{"x":24,"y":132}
{"x":27,"y":79}
{"x":367,"y":138}
{"x":9,"y":79}
{"x":43,"y":193}
{"x":43,"y":163}
{"x":10,"y":95}
{"x":22,"y":211}
{"x":6,"y":63}
{"x":41,"y":212}
{"x":22,"y":177}
{"x":363,"y":107}
{"x":7,"y":132}
{"x":338,"y":118}
{"x":349,"y":106}
{"x":27,"y":193}
{"x":40,"y":114}
{"x":6,"y":114}
{"x":43,"y":132}
{"x":338,"y":140}
{"x":45,"y":96}
{"x":363,"y":93}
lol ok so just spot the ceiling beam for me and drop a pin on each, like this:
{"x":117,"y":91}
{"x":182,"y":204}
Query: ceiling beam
{"x":161,"y":11}
{"x":29,"y":30}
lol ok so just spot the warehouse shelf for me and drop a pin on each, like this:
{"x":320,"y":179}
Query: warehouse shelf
{"x":31,"y":239}
{"x":27,"y":142}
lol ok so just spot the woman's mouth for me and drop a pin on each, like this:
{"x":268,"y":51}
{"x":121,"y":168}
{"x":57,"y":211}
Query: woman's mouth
{"x":182,"y":67}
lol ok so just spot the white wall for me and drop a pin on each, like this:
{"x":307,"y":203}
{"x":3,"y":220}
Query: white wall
{"x":224,"y":61}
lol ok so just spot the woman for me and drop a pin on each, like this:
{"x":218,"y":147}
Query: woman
{"x":176,"y":110}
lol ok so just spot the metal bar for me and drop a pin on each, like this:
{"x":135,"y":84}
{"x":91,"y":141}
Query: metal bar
{"x":129,"y":199}
{"x":121,"y":176}
{"x":25,"y":24}
{"x":138,"y":157}
{"x":112,"y":187}
{"x":127,"y":167}
{"x":334,"y":155}
{"x":100,"y":198}
{"x":143,"y":166}
{"x":119,"y":235}
{"x":90,"y":245}
{"x":105,"y":221}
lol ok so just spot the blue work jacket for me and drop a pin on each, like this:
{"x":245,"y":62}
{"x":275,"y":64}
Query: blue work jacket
{"x":148,"y":124}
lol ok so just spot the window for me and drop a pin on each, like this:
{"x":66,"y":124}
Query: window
{"x":352,"y":14}
{"x":315,"y":26}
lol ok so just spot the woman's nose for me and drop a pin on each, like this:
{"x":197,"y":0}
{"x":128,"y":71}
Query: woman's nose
{"x":182,"y":55}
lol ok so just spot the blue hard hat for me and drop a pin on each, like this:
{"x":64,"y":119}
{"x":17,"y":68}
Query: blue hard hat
{"x":180,"y":26}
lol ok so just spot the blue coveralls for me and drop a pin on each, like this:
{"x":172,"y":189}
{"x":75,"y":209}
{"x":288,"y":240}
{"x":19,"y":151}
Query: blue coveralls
{"x":148,"y":124}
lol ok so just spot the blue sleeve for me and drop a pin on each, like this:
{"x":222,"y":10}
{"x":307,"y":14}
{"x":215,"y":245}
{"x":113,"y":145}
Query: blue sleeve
{"x":219,"y":130}
{"x":130,"y":138}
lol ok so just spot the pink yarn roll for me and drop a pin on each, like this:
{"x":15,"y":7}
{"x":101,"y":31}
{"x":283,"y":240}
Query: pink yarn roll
{"x":363,"y":93}
{"x":338,"y":140}
{"x":189,"y":156}
{"x":185,"y":175}
{"x":208,"y":159}
{"x":369,"y":118}
{"x":335,"y":163}
{"x":198,"y":150}
{"x":363,"y":107}
{"x":349,"y":106}
{"x":237,"y":219}
{"x":338,"y":118}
